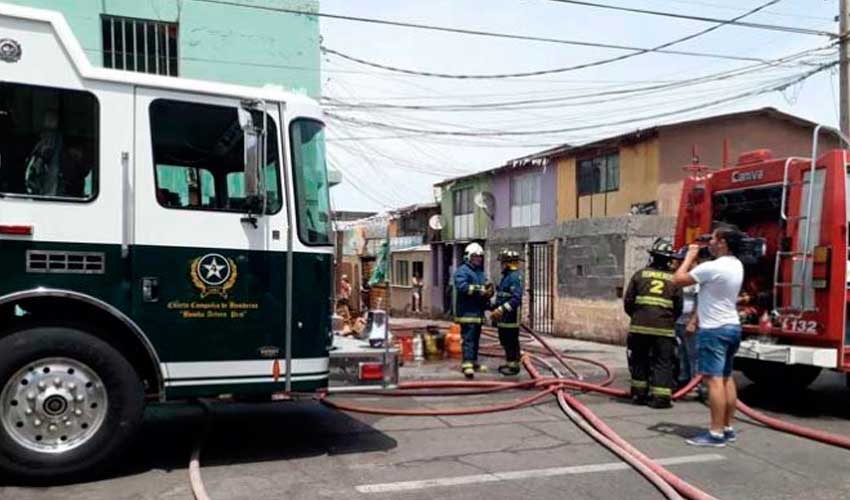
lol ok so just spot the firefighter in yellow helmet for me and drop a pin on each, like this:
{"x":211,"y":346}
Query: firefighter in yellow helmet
{"x":653,"y":304}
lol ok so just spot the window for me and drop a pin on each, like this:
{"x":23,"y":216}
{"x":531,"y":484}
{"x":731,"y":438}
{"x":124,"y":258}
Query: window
{"x":139,"y":45}
{"x":525,"y":200}
{"x":599,"y":175}
{"x":464,"y":213}
{"x":48,"y":142}
{"x":463,"y":201}
{"x":199,"y":160}
{"x":311,"y":181}
{"x":402,"y":273}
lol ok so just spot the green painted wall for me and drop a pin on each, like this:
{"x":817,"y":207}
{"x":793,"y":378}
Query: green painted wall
{"x":482,"y":221}
{"x":226,"y":43}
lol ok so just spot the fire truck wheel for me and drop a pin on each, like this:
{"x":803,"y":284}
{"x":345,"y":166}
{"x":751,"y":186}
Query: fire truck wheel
{"x":69,"y":403}
{"x":778,"y":376}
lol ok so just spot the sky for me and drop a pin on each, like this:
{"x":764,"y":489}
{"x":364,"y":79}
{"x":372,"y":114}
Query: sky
{"x":385,"y":166}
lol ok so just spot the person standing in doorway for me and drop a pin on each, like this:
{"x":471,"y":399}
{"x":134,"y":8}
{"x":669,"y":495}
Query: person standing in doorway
{"x":416,"y":293}
{"x":472,"y":294}
{"x":719,"y":333}
{"x":505,"y":314}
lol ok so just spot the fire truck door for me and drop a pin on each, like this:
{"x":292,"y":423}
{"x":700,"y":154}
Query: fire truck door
{"x":208,"y":261}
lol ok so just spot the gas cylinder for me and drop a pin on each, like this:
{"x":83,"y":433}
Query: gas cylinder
{"x":406,"y":348}
{"x":453,"y":342}
{"x":418,"y":347}
{"x":432,"y":351}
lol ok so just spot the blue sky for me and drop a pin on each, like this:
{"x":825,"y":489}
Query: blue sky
{"x":384,"y":170}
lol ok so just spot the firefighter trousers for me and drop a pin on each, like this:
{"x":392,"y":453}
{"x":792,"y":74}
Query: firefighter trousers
{"x":509,"y":338}
{"x":651,"y":359}
{"x":471,"y":335}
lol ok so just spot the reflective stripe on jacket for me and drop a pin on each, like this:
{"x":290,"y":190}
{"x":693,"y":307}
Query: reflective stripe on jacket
{"x":509,"y":298}
{"x":469,"y":302}
{"x":653,"y":303}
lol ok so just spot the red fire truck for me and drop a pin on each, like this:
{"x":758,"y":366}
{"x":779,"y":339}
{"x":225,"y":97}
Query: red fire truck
{"x":795,"y":293}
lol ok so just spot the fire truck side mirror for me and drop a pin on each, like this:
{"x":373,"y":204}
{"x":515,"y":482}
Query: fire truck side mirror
{"x":253,"y":154}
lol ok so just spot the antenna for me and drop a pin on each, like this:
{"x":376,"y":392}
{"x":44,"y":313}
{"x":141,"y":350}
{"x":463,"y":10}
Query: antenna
{"x":435,"y":222}
{"x":485,"y":201}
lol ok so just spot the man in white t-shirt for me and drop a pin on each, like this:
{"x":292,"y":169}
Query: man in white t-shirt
{"x":719,"y":333}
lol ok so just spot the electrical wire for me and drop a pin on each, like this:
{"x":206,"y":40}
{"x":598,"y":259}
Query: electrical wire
{"x":637,"y":52}
{"x":743,"y":24}
{"x":333,"y":102}
{"x":463,"y":31}
{"x":779,"y":87}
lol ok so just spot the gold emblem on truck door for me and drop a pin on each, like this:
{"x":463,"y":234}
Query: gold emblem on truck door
{"x":213,"y":274}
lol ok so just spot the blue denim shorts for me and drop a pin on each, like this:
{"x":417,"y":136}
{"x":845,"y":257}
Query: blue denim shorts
{"x":717,"y":348}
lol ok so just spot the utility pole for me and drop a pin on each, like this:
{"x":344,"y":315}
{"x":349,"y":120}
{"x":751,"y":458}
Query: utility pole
{"x":844,"y":64}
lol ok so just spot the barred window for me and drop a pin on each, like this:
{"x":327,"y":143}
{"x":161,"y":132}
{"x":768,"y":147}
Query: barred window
{"x":140,"y":45}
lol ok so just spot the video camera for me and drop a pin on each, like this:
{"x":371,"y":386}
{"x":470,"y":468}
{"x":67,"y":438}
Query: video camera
{"x":750,"y":250}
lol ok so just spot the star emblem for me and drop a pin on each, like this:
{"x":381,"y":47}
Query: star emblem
{"x":214,"y":269}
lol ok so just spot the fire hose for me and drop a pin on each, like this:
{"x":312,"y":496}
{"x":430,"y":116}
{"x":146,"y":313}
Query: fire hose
{"x":670,"y":485}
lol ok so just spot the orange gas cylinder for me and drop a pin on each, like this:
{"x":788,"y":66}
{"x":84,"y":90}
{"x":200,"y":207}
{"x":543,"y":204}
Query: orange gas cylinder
{"x":406,"y":348}
{"x":453,"y":342}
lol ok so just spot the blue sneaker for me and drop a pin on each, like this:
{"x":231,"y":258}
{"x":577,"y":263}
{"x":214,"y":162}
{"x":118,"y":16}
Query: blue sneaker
{"x":707,"y":439}
{"x":730,"y":435}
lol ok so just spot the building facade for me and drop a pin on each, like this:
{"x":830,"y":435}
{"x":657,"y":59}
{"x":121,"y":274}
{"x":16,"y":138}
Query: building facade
{"x":585,"y":216}
{"x":238,"y":44}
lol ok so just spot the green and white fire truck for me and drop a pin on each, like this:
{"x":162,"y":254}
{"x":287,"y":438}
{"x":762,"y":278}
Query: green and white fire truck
{"x":160,"y":239}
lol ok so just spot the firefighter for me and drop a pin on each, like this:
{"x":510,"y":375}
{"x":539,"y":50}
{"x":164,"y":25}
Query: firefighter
{"x":472,"y":295}
{"x":653,"y":304}
{"x":506,"y":309}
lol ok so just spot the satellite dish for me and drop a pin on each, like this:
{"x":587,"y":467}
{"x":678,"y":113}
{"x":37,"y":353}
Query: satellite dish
{"x":435,"y":222}
{"x":485,"y":201}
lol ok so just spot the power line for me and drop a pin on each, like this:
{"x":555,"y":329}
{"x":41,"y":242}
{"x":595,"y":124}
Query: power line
{"x":504,"y":105}
{"x":778,"y":87}
{"x":464,"y":31}
{"x":743,"y":24}
{"x":663,"y":48}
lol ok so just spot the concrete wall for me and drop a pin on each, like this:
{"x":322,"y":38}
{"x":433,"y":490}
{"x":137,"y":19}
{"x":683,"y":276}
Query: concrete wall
{"x":595,"y":258}
{"x":226,"y":43}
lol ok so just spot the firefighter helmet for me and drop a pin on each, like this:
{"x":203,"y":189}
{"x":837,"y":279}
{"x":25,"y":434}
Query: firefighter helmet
{"x":508,"y":255}
{"x":472,"y":249}
{"x":662,"y":247}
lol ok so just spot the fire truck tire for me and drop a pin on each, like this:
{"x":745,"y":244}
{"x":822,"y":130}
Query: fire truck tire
{"x":778,"y":376}
{"x":70,"y":404}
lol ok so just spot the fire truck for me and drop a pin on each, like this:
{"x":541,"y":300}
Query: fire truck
{"x":795,"y":213}
{"x":160,"y":239}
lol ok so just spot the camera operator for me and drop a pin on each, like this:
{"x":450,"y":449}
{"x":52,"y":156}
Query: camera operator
{"x":719,"y":333}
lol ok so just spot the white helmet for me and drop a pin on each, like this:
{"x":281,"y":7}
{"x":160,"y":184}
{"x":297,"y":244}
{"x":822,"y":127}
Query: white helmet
{"x":472,"y":249}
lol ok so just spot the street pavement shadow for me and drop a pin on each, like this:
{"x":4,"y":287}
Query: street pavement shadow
{"x":683,"y":431}
{"x":242,"y":433}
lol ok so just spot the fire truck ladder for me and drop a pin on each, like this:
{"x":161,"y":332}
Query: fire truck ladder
{"x":802,"y":254}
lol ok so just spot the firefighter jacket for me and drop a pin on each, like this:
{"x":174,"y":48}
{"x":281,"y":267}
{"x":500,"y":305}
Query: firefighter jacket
{"x":509,"y":299}
{"x":653,"y":302}
{"x":470,"y":299}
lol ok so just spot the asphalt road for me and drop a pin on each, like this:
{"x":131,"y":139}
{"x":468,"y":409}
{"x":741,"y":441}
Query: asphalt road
{"x":303,"y":450}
